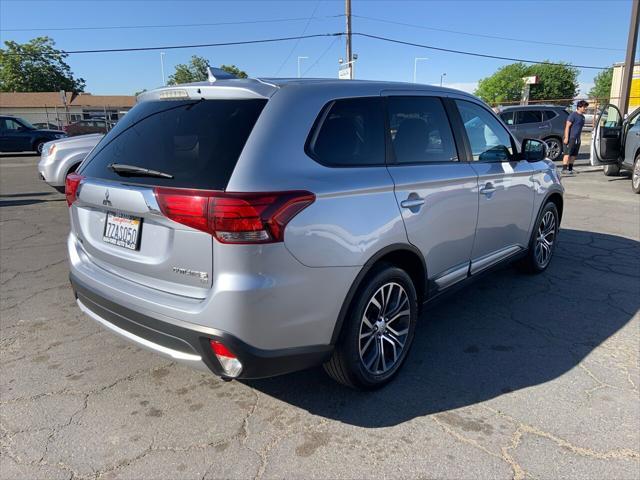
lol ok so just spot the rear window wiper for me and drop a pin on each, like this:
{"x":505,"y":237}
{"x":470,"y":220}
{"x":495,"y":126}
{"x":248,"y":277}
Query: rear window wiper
{"x":140,"y":171}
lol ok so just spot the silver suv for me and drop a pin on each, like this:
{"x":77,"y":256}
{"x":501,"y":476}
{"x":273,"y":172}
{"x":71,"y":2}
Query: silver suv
{"x":257,"y":227}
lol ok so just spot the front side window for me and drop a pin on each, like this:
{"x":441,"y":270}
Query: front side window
{"x":12,"y":125}
{"x":351,"y":134}
{"x":549,"y":115}
{"x":420,"y":130}
{"x":489,"y":140}
{"x":529,"y":116}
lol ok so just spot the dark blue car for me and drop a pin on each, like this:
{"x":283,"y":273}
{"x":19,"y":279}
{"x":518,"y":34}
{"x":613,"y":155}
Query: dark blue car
{"x":18,"y":135}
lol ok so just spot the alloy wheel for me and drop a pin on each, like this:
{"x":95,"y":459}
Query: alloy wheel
{"x":384,"y":328}
{"x":635,"y":176}
{"x":546,"y":237}
{"x":553,"y":148}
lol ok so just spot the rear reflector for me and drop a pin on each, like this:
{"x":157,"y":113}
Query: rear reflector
{"x":234,"y":217}
{"x":229,"y":362}
{"x":71,"y":184}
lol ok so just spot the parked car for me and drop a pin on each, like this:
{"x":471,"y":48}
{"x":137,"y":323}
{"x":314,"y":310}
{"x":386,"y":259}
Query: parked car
{"x":257,"y":227}
{"x":61,"y":157}
{"x":615,"y":143}
{"x":544,"y":122}
{"x":18,"y":135}
{"x":84,"y":127}
{"x":46,"y":125}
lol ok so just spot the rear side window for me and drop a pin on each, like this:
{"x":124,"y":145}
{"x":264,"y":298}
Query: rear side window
{"x":198,"y":142}
{"x":529,"y":116}
{"x":350,"y":134}
{"x":420,"y":130}
{"x":508,"y":117}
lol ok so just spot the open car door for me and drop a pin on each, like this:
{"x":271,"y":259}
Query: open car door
{"x":606,"y":140}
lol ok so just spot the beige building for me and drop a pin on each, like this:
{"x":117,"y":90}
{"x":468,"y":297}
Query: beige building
{"x":59,"y":110}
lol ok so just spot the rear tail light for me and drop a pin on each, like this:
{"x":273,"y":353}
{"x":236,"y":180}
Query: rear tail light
{"x":71,"y":185}
{"x":229,"y":362}
{"x":65,"y":128}
{"x":234,"y":217}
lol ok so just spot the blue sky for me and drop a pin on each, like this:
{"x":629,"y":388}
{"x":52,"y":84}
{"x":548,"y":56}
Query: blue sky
{"x":588,"y":23}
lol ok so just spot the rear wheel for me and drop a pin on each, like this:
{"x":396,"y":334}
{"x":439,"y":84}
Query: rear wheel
{"x":377,"y":332}
{"x":611,"y":170}
{"x":635,"y":175}
{"x":543,"y":240}
{"x":555,"y":148}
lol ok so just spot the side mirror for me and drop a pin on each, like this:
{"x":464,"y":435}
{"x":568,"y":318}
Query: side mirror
{"x":533,"y":150}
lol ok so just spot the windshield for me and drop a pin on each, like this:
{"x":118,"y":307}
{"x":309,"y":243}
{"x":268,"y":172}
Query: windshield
{"x":197,"y":142}
{"x":26,"y":124}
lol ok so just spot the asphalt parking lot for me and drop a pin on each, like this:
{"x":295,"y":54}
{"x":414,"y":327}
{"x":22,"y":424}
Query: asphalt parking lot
{"x":515,"y":377}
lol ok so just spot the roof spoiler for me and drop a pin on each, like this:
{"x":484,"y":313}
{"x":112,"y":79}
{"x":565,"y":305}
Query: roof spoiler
{"x":214,"y":74}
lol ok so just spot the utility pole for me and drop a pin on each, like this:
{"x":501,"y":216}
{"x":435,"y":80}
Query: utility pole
{"x":162,"y":68}
{"x":347,"y":6}
{"x":629,"y":62}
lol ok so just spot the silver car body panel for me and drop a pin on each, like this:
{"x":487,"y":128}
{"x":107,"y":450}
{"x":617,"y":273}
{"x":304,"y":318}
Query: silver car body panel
{"x":68,"y":153}
{"x":290,"y":294}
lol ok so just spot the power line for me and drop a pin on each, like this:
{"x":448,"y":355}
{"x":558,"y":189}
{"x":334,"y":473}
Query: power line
{"x":497,"y":37}
{"x":473,"y":54}
{"x":175,"y":47}
{"x":179,"y":25}
{"x":293,"y":49}
{"x":317,"y":35}
{"x":333,"y":42}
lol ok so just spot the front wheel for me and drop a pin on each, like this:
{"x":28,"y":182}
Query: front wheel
{"x":378,"y":330}
{"x":543,"y":240}
{"x":38,"y":147}
{"x":635,"y":175}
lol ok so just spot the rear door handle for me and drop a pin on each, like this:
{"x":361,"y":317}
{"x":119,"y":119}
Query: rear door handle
{"x":488,"y":189}
{"x":414,"y":202}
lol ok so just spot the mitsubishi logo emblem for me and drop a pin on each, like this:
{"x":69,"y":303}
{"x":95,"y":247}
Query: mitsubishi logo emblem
{"x":106,"y":201}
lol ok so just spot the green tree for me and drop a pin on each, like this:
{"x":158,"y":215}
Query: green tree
{"x":196,"y":71}
{"x":36,"y":66}
{"x":555,"y":82}
{"x":602,"y":88}
{"x":505,"y":85}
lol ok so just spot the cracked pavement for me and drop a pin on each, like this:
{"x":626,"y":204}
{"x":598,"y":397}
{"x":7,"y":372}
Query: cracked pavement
{"x":515,"y":376}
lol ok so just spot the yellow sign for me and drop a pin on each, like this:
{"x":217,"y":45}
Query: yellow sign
{"x":634,"y":94}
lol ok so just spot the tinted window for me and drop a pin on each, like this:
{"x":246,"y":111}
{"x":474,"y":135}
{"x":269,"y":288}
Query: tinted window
{"x":549,"y":115}
{"x":529,"y":116}
{"x":420,"y":130}
{"x":488,"y":139}
{"x":198,"y":142}
{"x":351,"y":135}
{"x":508,"y":117}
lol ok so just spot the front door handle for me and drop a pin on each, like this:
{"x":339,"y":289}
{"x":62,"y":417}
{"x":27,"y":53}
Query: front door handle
{"x":412,"y":203}
{"x":488,"y":189}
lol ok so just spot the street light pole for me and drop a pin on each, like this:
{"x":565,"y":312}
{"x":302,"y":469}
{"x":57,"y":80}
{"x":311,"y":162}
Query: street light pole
{"x":629,"y":62}
{"x":415,"y":66}
{"x":442,"y":75}
{"x":347,"y":11}
{"x":162,"y":67}
{"x":300,"y":58}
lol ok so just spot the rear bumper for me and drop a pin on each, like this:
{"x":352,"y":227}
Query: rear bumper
{"x":191,"y":345}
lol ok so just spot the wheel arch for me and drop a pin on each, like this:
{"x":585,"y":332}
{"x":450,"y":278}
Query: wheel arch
{"x":404,"y":256}
{"x":557,"y":199}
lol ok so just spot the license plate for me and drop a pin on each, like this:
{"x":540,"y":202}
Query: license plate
{"x":122,"y":230}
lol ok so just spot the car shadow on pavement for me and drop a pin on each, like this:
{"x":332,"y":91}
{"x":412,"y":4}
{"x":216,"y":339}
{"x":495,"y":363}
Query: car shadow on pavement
{"x":506,"y":332}
{"x":31,"y":201}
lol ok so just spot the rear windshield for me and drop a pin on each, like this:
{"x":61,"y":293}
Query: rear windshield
{"x":198,"y":142}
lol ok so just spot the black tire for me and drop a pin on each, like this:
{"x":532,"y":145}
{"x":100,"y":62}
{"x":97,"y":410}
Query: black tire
{"x":531,"y":263}
{"x":347,"y":364}
{"x":555,"y":148}
{"x":635,"y":175}
{"x":611,"y":170}
{"x":38,"y":146}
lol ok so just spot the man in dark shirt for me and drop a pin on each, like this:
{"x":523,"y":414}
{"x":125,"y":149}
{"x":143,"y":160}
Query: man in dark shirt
{"x":571,"y":140}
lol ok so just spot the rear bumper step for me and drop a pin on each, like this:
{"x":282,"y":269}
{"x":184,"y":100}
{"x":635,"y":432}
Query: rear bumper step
{"x":192,"y":346}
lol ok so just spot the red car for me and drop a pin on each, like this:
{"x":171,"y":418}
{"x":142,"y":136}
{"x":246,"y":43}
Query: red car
{"x":87,"y":126}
